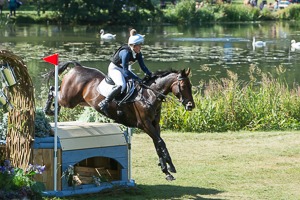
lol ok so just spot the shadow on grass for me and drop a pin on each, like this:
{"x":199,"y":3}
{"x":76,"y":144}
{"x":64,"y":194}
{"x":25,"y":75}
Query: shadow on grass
{"x":152,"y":192}
{"x":176,"y":192}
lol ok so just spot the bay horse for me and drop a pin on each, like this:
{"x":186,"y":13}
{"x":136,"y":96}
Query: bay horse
{"x":79,"y":87}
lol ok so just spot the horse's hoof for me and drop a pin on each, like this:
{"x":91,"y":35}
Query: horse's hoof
{"x":172,"y":169}
{"x":169,"y":177}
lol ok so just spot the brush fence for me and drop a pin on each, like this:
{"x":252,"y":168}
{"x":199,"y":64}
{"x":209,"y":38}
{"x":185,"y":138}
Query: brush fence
{"x":97,"y":153}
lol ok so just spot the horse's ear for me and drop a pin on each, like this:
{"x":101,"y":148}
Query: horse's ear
{"x":188,"y":72}
{"x":182,"y":72}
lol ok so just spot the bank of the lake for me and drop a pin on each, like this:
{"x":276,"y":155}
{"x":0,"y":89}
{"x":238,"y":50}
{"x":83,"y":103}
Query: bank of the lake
{"x":184,"y":12}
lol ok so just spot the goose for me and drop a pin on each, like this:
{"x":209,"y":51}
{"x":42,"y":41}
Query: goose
{"x":258,"y":43}
{"x":106,"y":36}
{"x":295,"y":44}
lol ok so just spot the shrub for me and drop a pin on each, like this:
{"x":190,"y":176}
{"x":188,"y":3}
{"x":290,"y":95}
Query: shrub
{"x":232,"y":105}
{"x":42,"y":125}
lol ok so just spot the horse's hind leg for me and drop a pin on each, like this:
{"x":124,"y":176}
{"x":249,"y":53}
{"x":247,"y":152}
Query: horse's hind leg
{"x":49,"y":103}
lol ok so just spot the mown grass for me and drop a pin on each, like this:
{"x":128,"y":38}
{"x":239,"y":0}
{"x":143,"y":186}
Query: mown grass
{"x":233,"y":165}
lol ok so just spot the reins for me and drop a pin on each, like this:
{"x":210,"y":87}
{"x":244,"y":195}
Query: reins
{"x":165,"y":96}
{"x":155,"y":91}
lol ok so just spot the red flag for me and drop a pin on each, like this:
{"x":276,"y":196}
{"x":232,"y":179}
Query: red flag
{"x":53,"y":59}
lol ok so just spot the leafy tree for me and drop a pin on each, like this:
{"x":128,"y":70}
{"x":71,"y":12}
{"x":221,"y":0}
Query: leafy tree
{"x":94,"y":11}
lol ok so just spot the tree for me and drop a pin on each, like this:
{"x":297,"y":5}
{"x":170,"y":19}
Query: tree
{"x":94,"y":11}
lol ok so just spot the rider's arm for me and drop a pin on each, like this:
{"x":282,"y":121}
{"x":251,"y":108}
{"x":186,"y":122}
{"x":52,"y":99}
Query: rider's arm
{"x":124,"y":55}
{"x":142,"y":64}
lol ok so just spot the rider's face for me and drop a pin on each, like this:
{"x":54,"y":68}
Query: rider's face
{"x":137,"y":48}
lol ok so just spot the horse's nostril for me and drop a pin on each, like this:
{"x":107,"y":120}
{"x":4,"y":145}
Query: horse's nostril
{"x":190,"y":104}
{"x":189,"y":107}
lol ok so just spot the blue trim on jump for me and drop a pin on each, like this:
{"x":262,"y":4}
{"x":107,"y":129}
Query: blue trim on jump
{"x":45,"y":143}
{"x":87,"y":189}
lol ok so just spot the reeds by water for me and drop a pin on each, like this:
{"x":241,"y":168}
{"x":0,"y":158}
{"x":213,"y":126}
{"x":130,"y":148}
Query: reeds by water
{"x":231,"y":105}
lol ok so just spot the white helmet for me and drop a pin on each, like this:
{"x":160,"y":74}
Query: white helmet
{"x":136,"y":39}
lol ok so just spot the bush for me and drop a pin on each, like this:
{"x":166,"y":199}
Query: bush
{"x":232,"y":105}
{"x":42,"y":125}
{"x":292,"y":12}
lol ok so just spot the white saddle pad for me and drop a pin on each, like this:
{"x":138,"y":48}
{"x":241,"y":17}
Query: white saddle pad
{"x":104,"y":88}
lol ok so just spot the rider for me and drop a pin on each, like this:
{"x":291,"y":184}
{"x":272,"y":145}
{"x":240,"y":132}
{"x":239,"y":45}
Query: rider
{"x":118,"y":69}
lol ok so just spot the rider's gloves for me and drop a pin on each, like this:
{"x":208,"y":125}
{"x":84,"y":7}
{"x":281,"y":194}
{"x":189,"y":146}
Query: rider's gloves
{"x":140,"y":81}
{"x":146,"y":78}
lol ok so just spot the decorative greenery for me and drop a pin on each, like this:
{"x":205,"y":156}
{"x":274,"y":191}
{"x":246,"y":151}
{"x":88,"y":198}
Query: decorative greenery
{"x":18,"y":184}
{"x":91,"y":115}
{"x":68,"y":174}
{"x":42,"y":125}
{"x":3,"y":125}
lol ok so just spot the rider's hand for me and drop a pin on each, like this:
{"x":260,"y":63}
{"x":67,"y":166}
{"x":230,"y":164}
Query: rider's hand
{"x":140,"y":81}
{"x":146,"y":78}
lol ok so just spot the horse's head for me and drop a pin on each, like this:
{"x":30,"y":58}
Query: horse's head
{"x":182,"y":89}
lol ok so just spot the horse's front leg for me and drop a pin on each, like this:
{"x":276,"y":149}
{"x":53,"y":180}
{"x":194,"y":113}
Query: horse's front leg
{"x":161,"y":144}
{"x":164,"y":159}
{"x":161,"y":150}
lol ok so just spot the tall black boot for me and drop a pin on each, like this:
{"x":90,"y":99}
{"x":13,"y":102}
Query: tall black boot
{"x":116,"y":90}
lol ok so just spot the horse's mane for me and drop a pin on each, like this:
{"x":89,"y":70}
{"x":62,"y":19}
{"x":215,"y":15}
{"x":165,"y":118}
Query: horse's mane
{"x":164,"y":73}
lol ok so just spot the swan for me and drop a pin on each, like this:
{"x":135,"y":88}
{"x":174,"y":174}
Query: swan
{"x":133,"y":32}
{"x":107,"y":36}
{"x":295,"y":44}
{"x":258,"y":43}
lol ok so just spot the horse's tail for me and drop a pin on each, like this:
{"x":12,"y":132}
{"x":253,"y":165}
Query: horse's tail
{"x":62,"y":66}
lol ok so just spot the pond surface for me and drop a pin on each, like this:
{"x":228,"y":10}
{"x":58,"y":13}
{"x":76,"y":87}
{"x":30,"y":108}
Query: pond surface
{"x":209,"y":50}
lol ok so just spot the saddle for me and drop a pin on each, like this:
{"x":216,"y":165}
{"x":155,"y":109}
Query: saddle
{"x":107,"y":84}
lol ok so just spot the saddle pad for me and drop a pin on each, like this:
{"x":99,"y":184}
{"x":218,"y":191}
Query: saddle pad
{"x":104,"y":88}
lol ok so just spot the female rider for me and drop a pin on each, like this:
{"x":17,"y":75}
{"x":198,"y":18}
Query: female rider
{"x":118,"y":68}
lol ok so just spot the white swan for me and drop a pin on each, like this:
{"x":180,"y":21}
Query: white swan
{"x":258,"y":43}
{"x":133,"y":32}
{"x":295,"y":44}
{"x":107,"y":36}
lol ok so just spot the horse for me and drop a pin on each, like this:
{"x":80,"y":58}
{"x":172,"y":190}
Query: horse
{"x":79,"y":87}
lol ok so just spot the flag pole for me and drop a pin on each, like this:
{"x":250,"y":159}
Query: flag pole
{"x":55,"y":129}
{"x":53,"y":59}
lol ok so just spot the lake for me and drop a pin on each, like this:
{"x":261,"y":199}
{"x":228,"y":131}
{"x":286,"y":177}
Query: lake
{"x":209,"y":50}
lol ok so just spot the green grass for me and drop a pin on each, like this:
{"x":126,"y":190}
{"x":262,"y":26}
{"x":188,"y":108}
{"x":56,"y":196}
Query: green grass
{"x":237,"y":165}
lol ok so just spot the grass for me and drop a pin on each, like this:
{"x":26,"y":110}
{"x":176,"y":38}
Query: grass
{"x":237,"y":165}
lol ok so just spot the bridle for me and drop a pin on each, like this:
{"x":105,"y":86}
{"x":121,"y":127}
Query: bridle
{"x":163,"y":96}
{"x":178,"y":81}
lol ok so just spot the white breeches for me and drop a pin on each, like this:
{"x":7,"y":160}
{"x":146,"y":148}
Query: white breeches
{"x":116,"y":74}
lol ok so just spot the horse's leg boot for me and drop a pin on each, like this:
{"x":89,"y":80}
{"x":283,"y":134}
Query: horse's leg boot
{"x":103,"y":105}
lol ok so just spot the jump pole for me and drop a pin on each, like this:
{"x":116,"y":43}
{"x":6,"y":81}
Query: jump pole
{"x":53,"y":59}
{"x":129,"y":135}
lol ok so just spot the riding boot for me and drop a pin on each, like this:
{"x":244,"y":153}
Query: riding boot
{"x":116,"y":90}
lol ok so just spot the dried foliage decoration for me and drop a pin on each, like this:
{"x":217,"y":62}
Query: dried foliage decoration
{"x":20,"y":133}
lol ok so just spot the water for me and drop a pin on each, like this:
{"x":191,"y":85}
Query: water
{"x":209,"y":50}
